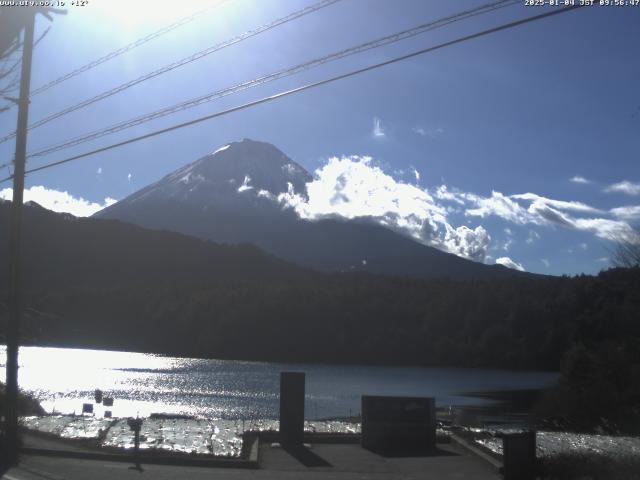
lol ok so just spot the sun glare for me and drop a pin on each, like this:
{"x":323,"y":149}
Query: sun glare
{"x":132,"y":15}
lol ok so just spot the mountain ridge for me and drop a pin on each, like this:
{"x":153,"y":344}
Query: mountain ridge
{"x":231,"y":196}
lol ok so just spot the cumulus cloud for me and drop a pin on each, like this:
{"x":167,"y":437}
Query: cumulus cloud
{"x":59,"y":201}
{"x":378,"y":130}
{"x":353,"y":187}
{"x":579,"y":179}
{"x":507,"y":262}
{"x":468,"y":243}
{"x":630,"y":188}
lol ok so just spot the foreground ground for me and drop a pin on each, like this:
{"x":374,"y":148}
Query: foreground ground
{"x":320,"y":461}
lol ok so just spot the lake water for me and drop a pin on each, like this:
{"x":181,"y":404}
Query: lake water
{"x":141,"y":384}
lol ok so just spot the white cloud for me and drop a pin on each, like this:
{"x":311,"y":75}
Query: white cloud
{"x":266,"y":194}
{"x":59,"y":201}
{"x":630,"y":212}
{"x":507,"y":262}
{"x":630,"y":188}
{"x":605,"y":228}
{"x":353,"y":187}
{"x":545,"y":211}
{"x":443,"y":193}
{"x":420,"y":131}
{"x":549,"y":214}
{"x":129,"y":178}
{"x":416,"y":174}
{"x":99,"y":171}
{"x":468,"y":243}
{"x":499,"y":205}
{"x":545,"y":262}
{"x":583,"y":246}
{"x":561,"y":204}
{"x":245,"y":184}
{"x":378,"y":130}
{"x":579,"y":179}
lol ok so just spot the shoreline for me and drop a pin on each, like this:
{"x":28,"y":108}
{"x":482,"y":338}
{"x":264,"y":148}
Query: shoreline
{"x":275,"y":360}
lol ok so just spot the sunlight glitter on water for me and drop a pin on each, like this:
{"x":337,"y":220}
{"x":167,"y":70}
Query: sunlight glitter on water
{"x":141,"y":384}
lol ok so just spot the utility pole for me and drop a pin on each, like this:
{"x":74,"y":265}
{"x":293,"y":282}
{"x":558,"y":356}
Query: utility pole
{"x":15,"y":254}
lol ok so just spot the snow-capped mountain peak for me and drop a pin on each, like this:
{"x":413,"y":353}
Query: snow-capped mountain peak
{"x":238,"y":171}
{"x":242,"y":166}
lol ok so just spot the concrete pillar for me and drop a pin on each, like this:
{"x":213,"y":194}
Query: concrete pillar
{"x":519,"y":456}
{"x":292,"y":407}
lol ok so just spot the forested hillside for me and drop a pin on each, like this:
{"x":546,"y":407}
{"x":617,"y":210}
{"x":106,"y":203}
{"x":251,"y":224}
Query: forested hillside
{"x":106,"y":284}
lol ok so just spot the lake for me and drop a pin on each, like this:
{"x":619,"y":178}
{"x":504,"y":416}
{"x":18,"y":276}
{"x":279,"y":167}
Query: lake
{"x":142,"y":384}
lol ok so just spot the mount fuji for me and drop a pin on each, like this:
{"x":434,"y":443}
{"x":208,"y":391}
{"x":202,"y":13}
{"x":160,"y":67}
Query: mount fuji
{"x":231,"y":196}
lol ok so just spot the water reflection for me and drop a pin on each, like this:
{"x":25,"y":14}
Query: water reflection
{"x":142,"y":384}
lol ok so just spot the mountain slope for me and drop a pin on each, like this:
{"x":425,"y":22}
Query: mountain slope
{"x":230,"y":196}
{"x":61,"y":251}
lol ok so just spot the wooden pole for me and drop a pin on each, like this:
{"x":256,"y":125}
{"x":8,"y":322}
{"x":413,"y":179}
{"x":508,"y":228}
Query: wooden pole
{"x":15,"y":254}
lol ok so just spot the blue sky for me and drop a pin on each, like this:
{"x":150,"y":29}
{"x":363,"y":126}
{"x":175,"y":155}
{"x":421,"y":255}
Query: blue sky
{"x":525,"y":143}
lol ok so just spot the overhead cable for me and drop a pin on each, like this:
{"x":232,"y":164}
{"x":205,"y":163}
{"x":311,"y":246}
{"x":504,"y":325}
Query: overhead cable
{"x":396,"y":37}
{"x":306,"y":87}
{"x":179,"y":63}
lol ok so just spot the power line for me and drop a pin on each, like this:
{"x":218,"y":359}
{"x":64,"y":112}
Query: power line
{"x":126,"y":48}
{"x":273,"y":76}
{"x":121,"y":51}
{"x":14,"y":83}
{"x":307,"y":87}
{"x":191,"y":58}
